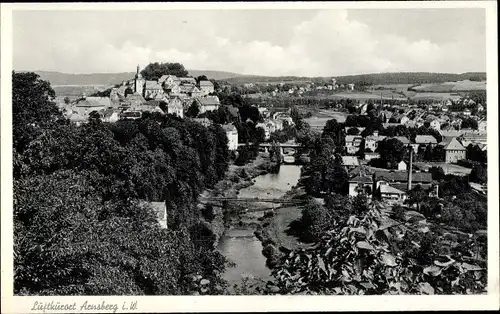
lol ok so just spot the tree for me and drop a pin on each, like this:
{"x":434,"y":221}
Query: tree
{"x":469,"y":123}
{"x":33,"y":109}
{"x":334,"y":130}
{"x":154,"y":71}
{"x":193,"y":110}
{"x":479,"y":174}
{"x":201,"y":78}
{"x":391,"y":151}
{"x":67,"y":100}
{"x":353,"y":131}
{"x":437,"y":173}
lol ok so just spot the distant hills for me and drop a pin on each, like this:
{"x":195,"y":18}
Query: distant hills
{"x":58,"y":78}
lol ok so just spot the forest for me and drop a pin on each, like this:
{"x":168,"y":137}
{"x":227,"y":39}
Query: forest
{"x":79,"y":228}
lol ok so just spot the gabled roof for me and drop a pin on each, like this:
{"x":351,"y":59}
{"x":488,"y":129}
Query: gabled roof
{"x":361,"y":179}
{"x":402,"y":176}
{"x":454,"y":145}
{"x":229,"y":128}
{"x":208,"y":101}
{"x":94,"y":102}
{"x":163,"y":78}
{"x":402,"y":139}
{"x":206,"y":83}
{"x":350,"y":161}
{"x":153,"y":85}
{"x":351,"y":138}
{"x":387,"y":189}
{"x":425,"y":139}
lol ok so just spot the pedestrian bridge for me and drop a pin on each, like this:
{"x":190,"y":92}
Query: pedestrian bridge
{"x":253,"y":200}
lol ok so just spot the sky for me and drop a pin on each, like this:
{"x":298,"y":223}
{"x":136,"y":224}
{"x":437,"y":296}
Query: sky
{"x":260,"y":42}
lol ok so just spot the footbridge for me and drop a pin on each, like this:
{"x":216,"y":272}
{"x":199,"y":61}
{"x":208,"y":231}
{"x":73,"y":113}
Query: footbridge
{"x":253,"y":200}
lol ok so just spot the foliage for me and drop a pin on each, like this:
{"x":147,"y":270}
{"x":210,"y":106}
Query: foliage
{"x":79,"y":226}
{"x":391,"y":151}
{"x":479,"y":174}
{"x":469,"y":123}
{"x":366,"y":257}
{"x":154,"y":71}
{"x":193,"y":110}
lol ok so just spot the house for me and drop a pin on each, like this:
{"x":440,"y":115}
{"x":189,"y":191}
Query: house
{"x":232,"y":136}
{"x":352,"y":143}
{"x":172,"y":89}
{"x":350,"y":162}
{"x":423,"y":140}
{"x":86,"y":105}
{"x":131,"y":114}
{"x":187,"y":80}
{"x":350,"y":86}
{"x":390,"y":193}
{"x":370,"y":156}
{"x":472,"y":138}
{"x":361,"y":184}
{"x":466,"y":112}
{"x":385,"y":115}
{"x":402,"y":165}
{"x":480,"y":108}
{"x":110,"y":115}
{"x":268,"y":128}
{"x":134,"y":101}
{"x":153,"y":90}
{"x":175,"y":107}
{"x":208,"y":103}
{"x":169,"y":79}
{"x":159,"y":208}
{"x":399,"y":179}
{"x":371,"y":141}
{"x":206,"y":87}
{"x":482,"y":126}
{"x":434,"y":124}
{"x":454,"y":151}
{"x":191,"y":90}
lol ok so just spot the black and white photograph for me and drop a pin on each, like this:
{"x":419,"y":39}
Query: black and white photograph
{"x":274,"y":149}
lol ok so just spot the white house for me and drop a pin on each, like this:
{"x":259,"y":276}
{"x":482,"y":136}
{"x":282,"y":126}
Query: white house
{"x":175,"y":107}
{"x":352,"y":143}
{"x":208,"y":103}
{"x":206,"y":87}
{"x":232,"y":136}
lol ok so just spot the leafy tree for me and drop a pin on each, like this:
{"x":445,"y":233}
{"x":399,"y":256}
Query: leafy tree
{"x":33,"y":109}
{"x":437,"y":173}
{"x":391,"y":151}
{"x":201,"y":78}
{"x":193,"y":110}
{"x":67,"y":100}
{"x":469,"y":123}
{"x":479,"y":174}
{"x":154,"y":71}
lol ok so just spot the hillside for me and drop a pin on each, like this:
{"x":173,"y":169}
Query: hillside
{"x":369,"y":79}
{"x":58,"y":78}
{"x":414,"y":78}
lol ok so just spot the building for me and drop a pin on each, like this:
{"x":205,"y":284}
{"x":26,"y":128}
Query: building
{"x":371,"y":141}
{"x":482,"y":126}
{"x":153,"y":90}
{"x":390,"y":193}
{"x":423,"y":140}
{"x":160,"y":209}
{"x":350,"y":162}
{"x":350,"y":86}
{"x":85,"y":105}
{"x":402,"y":165}
{"x":187,"y":80}
{"x":110,"y":115}
{"x":361,"y":184}
{"x":399,"y":179}
{"x":370,"y":156}
{"x":208,"y":103}
{"x":206,"y":87}
{"x":434,"y":124}
{"x":139,"y":82}
{"x":352,"y":143}
{"x":169,"y":79}
{"x":175,"y":107}
{"x":172,"y":89}
{"x":232,"y":136}
{"x":466,"y":112}
{"x":454,"y":151}
{"x":472,"y":138}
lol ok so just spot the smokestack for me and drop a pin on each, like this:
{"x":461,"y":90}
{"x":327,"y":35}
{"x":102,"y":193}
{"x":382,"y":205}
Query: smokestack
{"x":410,"y":168}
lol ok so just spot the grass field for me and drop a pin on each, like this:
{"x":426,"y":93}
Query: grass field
{"x":451,"y":86}
{"x":78,"y":90}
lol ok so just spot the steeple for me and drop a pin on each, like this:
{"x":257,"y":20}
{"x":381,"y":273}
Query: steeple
{"x":138,"y":74}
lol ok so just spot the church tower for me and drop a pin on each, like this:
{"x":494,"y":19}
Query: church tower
{"x":139,"y":82}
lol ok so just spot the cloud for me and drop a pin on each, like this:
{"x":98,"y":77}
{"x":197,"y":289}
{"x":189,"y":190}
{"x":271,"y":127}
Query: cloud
{"x":328,"y":43}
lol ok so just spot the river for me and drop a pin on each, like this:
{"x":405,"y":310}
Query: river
{"x":239,"y":244}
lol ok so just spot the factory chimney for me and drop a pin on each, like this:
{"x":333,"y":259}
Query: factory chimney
{"x":410,"y":168}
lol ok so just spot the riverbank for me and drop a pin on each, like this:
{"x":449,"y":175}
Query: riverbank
{"x":235,"y":179}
